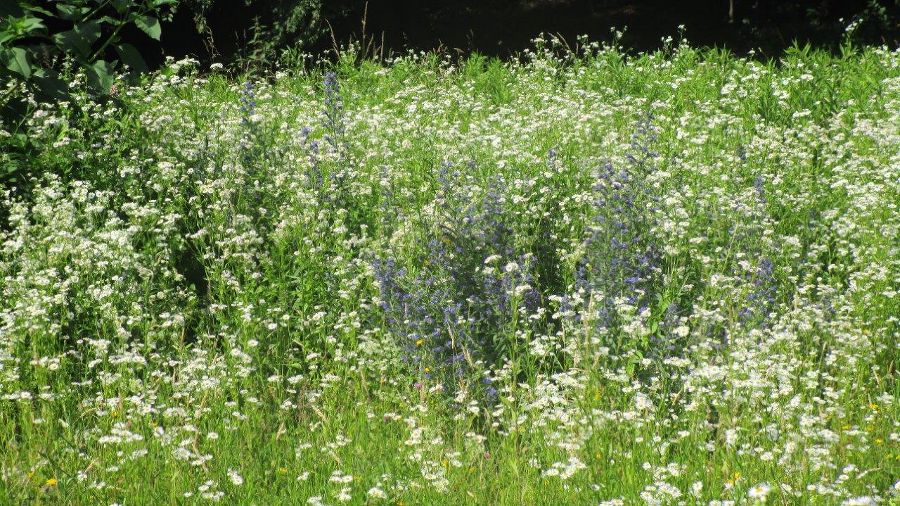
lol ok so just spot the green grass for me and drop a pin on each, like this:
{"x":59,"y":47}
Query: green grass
{"x":194,"y":305}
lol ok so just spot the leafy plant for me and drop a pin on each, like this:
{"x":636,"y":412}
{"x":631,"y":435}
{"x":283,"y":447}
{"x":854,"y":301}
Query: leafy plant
{"x":43,"y":44}
{"x":35,"y":38}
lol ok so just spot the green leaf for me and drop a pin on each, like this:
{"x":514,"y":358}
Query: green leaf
{"x":35,"y":8}
{"x":129,"y":55}
{"x":16,"y":59}
{"x":70,"y":42}
{"x":9,"y":169}
{"x":30,"y":24}
{"x":67,"y":11}
{"x":100,"y":75}
{"x":150,"y":26}
{"x":12,"y":28}
{"x":79,"y":39}
{"x":121,"y":6}
{"x":50,"y":84}
{"x":89,"y":30}
{"x":160,"y":3}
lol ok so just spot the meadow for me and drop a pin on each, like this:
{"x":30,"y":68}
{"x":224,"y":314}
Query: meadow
{"x":577,"y":277}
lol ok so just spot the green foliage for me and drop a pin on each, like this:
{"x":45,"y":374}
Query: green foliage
{"x":195,"y":313}
{"x":294,"y":22}
{"x":877,"y":23}
{"x":44,"y":46}
{"x":34,"y":40}
{"x":273,"y":27}
{"x":218,"y":300}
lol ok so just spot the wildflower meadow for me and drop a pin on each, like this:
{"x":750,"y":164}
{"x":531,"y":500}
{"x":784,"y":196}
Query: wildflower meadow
{"x":578,"y":276}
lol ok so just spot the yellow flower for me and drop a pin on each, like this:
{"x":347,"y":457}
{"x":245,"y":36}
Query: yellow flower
{"x":282,"y":470}
{"x":52,"y":482}
{"x":420,"y":342}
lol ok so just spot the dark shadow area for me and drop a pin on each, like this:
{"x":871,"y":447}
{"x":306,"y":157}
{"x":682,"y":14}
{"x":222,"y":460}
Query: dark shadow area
{"x":502,"y":28}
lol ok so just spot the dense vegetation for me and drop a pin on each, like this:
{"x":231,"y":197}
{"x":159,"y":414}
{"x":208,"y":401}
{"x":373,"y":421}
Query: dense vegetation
{"x":575,"y":278}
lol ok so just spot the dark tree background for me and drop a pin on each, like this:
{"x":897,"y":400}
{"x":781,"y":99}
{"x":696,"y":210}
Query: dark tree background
{"x":259,"y":30}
